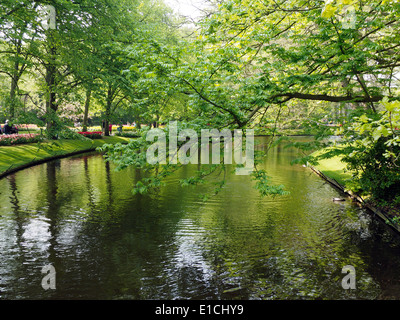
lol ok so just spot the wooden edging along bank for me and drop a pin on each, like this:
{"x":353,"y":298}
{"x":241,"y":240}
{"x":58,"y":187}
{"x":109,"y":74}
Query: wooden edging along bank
{"x":382,"y":215}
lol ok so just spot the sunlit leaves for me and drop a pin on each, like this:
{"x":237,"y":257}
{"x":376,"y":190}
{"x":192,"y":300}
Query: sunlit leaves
{"x":386,"y":126}
{"x":329,"y":11}
{"x":391,"y":106}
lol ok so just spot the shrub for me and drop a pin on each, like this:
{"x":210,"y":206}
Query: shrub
{"x":373,"y":152}
{"x":127,"y":134}
{"x":377,"y":173}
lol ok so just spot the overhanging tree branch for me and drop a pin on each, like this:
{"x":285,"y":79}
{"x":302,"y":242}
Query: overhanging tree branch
{"x":328,"y":98}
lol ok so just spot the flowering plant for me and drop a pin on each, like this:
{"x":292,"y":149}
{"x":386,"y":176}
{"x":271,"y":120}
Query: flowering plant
{"x":92,"y":134}
{"x":13,"y":139}
{"x":27,"y":127}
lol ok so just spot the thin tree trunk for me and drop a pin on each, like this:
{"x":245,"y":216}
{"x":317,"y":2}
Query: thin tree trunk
{"x":110,"y":97}
{"x":87,"y":106}
{"x":51,"y":83}
{"x":51,"y":106}
{"x":13,"y":94}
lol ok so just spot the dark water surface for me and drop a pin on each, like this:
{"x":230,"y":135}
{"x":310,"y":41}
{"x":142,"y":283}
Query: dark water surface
{"x":79,"y":215}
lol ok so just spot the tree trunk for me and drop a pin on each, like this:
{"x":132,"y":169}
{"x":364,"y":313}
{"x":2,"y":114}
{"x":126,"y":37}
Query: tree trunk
{"x":106,"y":128}
{"x":138,"y":124}
{"x":51,"y":83}
{"x":51,"y":106}
{"x":110,"y":94}
{"x":87,"y":105}
{"x":17,"y":73}
{"x":13,"y":94}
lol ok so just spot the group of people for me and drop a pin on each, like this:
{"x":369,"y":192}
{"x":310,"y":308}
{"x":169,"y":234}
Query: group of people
{"x":8,"y":129}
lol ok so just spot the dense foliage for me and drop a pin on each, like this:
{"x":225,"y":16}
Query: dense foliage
{"x":308,"y":65}
{"x":75,"y":64}
{"x":371,"y":149}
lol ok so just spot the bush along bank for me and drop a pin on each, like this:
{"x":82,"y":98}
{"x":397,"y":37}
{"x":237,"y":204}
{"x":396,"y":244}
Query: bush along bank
{"x":366,"y":160}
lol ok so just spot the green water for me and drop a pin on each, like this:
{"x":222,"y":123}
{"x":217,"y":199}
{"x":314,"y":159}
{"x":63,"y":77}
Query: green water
{"x":79,"y":215}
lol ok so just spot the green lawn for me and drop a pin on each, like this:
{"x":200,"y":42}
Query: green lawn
{"x":12,"y":157}
{"x":333,"y":168}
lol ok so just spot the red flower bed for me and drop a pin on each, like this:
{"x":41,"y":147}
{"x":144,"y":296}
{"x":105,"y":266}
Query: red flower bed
{"x":92,"y":135}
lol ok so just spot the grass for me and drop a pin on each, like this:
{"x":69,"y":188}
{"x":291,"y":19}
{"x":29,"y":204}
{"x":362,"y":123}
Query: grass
{"x":333,"y":168}
{"x":13,"y":157}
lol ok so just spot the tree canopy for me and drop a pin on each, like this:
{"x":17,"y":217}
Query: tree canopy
{"x":256,"y":64}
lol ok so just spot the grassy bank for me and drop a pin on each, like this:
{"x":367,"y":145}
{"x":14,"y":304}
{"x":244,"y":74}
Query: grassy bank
{"x":20,"y":156}
{"x":333,"y":168}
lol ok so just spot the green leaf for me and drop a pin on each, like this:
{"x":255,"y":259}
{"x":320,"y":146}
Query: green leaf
{"x":363,"y":118}
{"x":328,"y":11}
{"x":391,"y":106}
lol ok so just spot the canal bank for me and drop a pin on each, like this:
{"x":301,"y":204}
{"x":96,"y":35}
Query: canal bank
{"x":18,"y":157}
{"x":334,"y":172}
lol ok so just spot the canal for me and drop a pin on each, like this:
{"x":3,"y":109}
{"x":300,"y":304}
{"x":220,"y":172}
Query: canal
{"x":79,"y":215}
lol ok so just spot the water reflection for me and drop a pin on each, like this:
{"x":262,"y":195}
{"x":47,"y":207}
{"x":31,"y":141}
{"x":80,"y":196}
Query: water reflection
{"x":79,"y":215}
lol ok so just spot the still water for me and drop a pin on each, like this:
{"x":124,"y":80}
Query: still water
{"x":79,"y":215}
